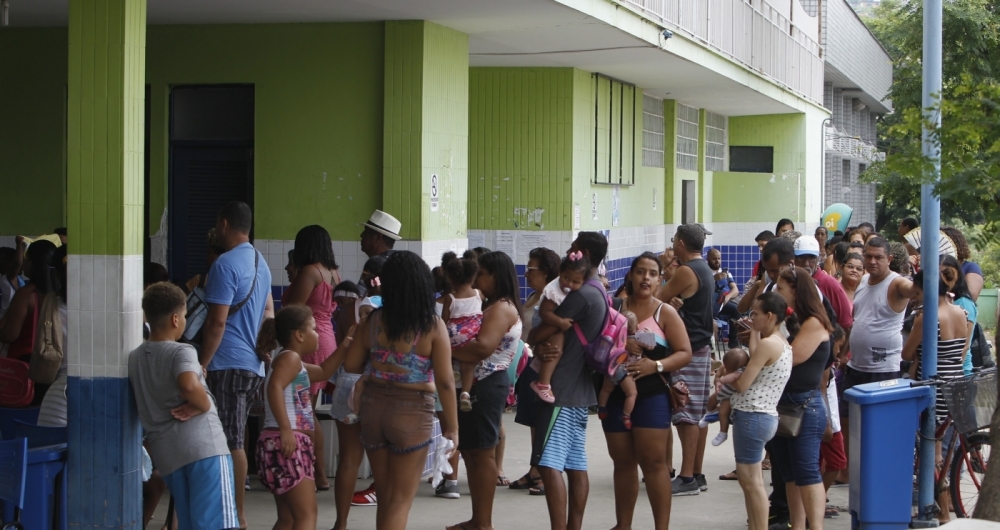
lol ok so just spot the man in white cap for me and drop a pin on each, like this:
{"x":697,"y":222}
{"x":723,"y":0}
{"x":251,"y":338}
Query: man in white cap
{"x":807,"y":257}
{"x":380,"y":234}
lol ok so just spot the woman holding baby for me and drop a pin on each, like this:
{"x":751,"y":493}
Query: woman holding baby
{"x":754,"y":405}
{"x":643,"y":444}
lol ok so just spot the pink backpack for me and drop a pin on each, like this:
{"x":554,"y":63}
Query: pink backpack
{"x":607,"y":352}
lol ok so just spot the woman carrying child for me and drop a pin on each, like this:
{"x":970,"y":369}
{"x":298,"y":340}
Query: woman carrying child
{"x":408,"y":350}
{"x":644,"y":444}
{"x":755,"y":403}
{"x":286,"y":458}
{"x":573,"y":272}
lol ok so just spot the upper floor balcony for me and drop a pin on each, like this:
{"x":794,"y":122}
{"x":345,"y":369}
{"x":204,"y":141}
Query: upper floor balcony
{"x":753,"y":33}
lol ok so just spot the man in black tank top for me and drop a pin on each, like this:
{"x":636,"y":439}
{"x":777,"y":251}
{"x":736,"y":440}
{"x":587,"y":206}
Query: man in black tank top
{"x":692,"y":288}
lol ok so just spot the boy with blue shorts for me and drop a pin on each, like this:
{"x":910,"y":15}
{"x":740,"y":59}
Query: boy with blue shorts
{"x":183,"y":431}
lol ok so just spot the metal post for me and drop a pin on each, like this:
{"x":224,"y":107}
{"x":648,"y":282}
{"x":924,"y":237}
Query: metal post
{"x":930,"y":207}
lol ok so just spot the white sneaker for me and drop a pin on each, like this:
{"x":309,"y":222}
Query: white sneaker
{"x":720,"y":438}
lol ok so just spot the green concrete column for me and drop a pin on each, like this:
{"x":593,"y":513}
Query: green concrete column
{"x":107,"y":40}
{"x":426,"y":129}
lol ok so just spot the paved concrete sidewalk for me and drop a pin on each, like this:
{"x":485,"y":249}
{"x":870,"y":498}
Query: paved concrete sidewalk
{"x":720,"y":508}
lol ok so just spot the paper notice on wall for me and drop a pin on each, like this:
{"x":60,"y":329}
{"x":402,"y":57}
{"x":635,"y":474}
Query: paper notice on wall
{"x":505,"y":242}
{"x":477,"y":239}
{"x":654,"y":199}
{"x":576,"y":216}
{"x":593,"y":206}
{"x":528,"y":241}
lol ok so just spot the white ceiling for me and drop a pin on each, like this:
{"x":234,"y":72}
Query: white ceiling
{"x":539,"y":33}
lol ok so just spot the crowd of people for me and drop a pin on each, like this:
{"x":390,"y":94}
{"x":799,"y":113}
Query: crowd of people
{"x":410,"y":347}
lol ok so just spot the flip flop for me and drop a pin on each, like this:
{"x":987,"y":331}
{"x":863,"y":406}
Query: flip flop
{"x":537,"y":491}
{"x":729,"y":476}
{"x":525,"y":483}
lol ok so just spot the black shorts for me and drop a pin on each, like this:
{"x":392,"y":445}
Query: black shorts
{"x":480,"y":427}
{"x":527,"y":400}
{"x":233,"y":390}
{"x":853,"y":378}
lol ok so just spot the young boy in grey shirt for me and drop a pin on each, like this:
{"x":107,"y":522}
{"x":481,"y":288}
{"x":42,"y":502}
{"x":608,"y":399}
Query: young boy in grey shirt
{"x":183,"y":430}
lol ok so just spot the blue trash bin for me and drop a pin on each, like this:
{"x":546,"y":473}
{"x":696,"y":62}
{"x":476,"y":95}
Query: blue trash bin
{"x":884,"y":420}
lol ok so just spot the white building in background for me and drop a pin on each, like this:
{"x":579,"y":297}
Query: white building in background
{"x":857,"y":79}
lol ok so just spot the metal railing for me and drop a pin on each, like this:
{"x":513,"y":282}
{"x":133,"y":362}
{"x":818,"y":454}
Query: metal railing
{"x":754,"y":35}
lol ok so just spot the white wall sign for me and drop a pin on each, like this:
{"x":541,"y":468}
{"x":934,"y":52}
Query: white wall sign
{"x":576,"y":216}
{"x":593,"y":206}
{"x":615,"y":205}
{"x":654,"y":199}
{"x":435,"y":193}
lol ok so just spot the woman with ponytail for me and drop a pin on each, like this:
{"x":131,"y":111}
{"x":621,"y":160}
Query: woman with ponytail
{"x":754,"y":405}
{"x":809,"y":328}
{"x":953,"y":333}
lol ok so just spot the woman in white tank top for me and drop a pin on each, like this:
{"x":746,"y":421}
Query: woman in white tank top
{"x":755,"y":415}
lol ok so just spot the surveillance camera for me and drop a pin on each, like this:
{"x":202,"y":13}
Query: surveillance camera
{"x":667,"y":34}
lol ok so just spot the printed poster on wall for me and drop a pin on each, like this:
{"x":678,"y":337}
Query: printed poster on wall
{"x":593,"y":206}
{"x":505,"y":242}
{"x":576,"y":216}
{"x":614,"y":204}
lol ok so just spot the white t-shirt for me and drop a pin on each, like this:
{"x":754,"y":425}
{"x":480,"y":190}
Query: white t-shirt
{"x":553,"y":292}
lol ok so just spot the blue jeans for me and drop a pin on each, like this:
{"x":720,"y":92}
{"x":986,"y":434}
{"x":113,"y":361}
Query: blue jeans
{"x":798,"y":458}
{"x":751,"y":430}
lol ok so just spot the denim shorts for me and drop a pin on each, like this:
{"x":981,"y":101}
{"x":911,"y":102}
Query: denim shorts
{"x":398,"y":419}
{"x":751,"y":430}
{"x":797,"y":458}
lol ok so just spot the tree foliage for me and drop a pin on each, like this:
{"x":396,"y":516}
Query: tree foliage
{"x":970,"y":73}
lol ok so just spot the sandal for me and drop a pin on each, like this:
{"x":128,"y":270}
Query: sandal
{"x":502,"y":481}
{"x":729,"y":476}
{"x":544,"y":392}
{"x":525,"y":483}
{"x":766,"y":464}
{"x":537,"y":491}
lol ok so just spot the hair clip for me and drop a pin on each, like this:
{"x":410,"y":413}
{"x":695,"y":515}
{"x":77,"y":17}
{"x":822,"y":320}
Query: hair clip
{"x":376,"y":282}
{"x":789,"y":311}
{"x":575,"y":256}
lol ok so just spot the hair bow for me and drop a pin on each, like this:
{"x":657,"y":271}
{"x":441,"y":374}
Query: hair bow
{"x":376,"y":282}
{"x":575,"y":256}
{"x":789,"y":311}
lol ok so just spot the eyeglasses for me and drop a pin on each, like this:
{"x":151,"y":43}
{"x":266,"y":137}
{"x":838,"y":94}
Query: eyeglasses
{"x":532,"y":269}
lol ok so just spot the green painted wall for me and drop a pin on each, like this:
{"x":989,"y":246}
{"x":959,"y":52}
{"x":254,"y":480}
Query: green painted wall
{"x":33,"y":129}
{"x":104,"y":205}
{"x":426,"y":125}
{"x":635,"y":201}
{"x":318,"y":123}
{"x":773,"y":195}
{"x":520,"y":148}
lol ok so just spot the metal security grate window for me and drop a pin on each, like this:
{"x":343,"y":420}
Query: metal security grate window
{"x":715,"y":142}
{"x":652,"y":131}
{"x":687,"y":137}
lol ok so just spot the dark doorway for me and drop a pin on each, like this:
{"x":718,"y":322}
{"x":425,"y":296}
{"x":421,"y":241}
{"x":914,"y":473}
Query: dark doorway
{"x":211,"y":163}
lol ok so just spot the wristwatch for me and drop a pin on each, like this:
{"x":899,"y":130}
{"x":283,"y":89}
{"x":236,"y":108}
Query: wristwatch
{"x":659,"y":366}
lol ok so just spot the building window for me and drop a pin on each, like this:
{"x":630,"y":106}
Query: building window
{"x":687,"y":137}
{"x":652,"y":131}
{"x":715,"y":142}
{"x":616,"y":106}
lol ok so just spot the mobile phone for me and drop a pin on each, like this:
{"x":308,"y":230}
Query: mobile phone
{"x":646,"y":338}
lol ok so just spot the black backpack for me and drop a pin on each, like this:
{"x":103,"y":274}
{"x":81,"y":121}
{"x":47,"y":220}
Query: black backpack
{"x":981,"y":355}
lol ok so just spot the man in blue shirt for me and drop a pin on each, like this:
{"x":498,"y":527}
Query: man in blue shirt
{"x":238,"y":293}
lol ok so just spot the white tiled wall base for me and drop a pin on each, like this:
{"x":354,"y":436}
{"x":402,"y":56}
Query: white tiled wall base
{"x":349,"y":256}
{"x":624,"y":242}
{"x":7,"y":241}
{"x":104,"y":303}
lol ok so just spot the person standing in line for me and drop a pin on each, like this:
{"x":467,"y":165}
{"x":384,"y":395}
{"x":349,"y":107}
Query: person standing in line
{"x":807,"y":257}
{"x":692,"y":287}
{"x":315,"y":278}
{"x":879,"y":307}
{"x":239,"y":298}
{"x":784,"y":225}
{"x":378,"y":238}
{"x":560,"y":438}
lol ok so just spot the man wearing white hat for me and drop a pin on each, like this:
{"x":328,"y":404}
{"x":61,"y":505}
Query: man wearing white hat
{"x":380,"y":234}
{"x":807,"y":257}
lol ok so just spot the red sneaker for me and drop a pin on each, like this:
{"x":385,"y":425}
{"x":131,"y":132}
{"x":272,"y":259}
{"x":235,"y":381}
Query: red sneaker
{"x":365,"y":497}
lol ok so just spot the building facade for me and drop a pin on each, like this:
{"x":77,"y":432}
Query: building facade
{"x":509,"y":125}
